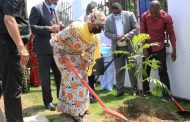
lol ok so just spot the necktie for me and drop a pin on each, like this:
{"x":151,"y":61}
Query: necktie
{"x":53,"y":16}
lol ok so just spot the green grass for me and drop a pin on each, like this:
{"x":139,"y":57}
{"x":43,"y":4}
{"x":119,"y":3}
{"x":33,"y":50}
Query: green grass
{"x":33,"y":105}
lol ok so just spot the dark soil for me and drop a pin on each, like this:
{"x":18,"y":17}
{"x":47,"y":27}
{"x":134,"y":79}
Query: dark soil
{"x":140,"y":112}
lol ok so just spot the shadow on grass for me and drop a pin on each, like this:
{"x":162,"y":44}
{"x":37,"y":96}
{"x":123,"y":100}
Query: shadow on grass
{"x":108,"y":96}
{"x":112,"y":98}
{"x":60,"y":118}
{"x":38,"y":90}
{"x":30,"y":111}
{"x":35,"y":90}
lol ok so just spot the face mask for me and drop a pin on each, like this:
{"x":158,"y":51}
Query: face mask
{"x":95,"y":30}
{"x":53,"y":6}
{"x":117,"y":16}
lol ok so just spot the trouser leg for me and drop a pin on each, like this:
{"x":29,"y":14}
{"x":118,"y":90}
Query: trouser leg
{"x":11,"y":80}
{"x":57,"y":74}
{"x":44,"y":70}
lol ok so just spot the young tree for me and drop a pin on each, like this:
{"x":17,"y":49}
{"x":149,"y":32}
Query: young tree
{"x":135,"y":59}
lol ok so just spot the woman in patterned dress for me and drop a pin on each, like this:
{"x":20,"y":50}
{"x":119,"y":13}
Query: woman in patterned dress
{"x":77,"y":44}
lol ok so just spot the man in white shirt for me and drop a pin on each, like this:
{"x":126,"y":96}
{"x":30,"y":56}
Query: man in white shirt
{"x":119,"y":26}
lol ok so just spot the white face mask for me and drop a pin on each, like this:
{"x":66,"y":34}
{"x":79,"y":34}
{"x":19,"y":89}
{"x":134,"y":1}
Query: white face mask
{"x":117,"y":16}
{"x":53,"y":6}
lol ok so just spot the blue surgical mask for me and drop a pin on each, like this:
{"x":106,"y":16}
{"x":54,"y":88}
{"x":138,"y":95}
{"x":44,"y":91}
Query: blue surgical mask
{"x":117,"y":16}
{"x":53,"y":6}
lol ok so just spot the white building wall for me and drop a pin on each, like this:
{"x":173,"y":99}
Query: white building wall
{"x":31,"y":3}
{"x":179,"y":71}
{"x":79,"y":9}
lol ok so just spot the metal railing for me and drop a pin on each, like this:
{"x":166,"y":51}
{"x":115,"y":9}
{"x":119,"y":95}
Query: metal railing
{"x":129,"y":5}
{"x":65,"y":8}
{"x":65,"y":13}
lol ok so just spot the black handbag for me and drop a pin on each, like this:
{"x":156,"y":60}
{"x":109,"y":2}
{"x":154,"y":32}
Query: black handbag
{"x":98,"y":68}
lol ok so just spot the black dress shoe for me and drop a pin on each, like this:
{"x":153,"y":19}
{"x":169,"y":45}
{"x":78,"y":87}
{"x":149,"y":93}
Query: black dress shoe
{"x":120,"y":94}
{"x":147,"y":93}
{"x":50,"y":107}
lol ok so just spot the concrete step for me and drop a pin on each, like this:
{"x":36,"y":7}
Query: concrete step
{"x":36,"y":118}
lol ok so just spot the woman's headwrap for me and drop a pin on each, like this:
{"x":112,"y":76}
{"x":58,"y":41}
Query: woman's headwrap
{"x":96,"y":17}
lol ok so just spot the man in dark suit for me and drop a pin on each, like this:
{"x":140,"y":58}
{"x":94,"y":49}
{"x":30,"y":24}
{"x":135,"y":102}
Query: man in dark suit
{"x":44,"y":22}
{"x":123,"y":25}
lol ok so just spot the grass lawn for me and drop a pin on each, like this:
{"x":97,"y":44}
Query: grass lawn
{"x":132,"y":107}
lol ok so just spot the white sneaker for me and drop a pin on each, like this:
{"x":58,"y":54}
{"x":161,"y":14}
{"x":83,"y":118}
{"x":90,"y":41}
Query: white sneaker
{"x":134,"y":94}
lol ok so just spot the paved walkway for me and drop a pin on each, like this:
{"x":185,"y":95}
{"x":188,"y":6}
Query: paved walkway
{"x":36,"y":119}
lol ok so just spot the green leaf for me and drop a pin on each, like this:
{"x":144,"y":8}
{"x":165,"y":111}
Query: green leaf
{"x":139,"y":39}
{"x":145,"y":46}
{"x":154,"y":64}
{"x":136,"y":74}
{"x":121,"y":53}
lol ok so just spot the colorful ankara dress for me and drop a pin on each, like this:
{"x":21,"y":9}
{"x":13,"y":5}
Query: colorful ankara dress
{"x":76,"y":44}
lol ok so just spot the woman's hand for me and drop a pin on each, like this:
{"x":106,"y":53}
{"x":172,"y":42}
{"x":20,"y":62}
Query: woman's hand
{"x":85,"y":73}
{"x":85,"y":56}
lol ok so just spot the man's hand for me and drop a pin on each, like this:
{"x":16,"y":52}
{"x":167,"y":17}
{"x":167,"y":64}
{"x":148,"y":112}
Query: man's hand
{"x":125,"y":37}
{"x":173,"y":55}
{"x":85,"y":56}
{"x":54,"y":28}
{"x":120,"y":38}
{"x":62,"y":26}
{"x":24,"y":56}
{"x":85,"y":73}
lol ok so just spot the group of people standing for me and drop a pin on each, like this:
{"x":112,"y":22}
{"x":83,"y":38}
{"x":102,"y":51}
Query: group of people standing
{"x":80,"y":44}
{"x":124,"y":26}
